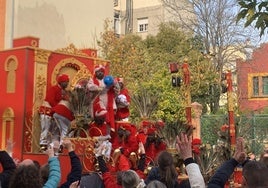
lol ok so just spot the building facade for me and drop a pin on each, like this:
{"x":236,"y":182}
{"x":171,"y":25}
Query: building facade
{"x":56,"y":23}
{"x":252,"y":81}
{"x":142,"y":17}
{"x":59,"y":23}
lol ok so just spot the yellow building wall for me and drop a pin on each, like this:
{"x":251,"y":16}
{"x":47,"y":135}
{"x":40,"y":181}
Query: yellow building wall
{"x":2,"y":23}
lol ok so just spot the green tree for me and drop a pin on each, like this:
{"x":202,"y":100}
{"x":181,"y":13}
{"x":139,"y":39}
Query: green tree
{"x":126,"y":55}
{"x":255,"y":13}
{"x":144,"y":66}
{"x":172,"y":45}
{"x":214,"y":22}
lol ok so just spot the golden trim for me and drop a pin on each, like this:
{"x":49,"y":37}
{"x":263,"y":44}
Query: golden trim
{"x":231,"y":130}
{"x":71,"y":50}
{"x":100,"y":62}
{"x":34,"y":43}
{"x":41,"y":56}
{"x":40,"y":80}
{"x":80,"y":75}
{"x":230,"y":100}
{"x":258,"y":99}
{"x":250,"y":85}
{"x":8,"y":58}
{"x":11,"y":65}
{"x":82,"y":71}
{"x":93,"y":54}
{"x":8,"y":116}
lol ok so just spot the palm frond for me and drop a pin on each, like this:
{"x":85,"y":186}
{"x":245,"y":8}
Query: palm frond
{"x":144,"y":103}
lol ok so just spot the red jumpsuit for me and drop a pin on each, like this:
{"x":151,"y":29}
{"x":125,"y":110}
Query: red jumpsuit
{"x":122,"y":111}
{"x":126,"y":146}
{"x":53,"y":96}
{"x":98,"y":130}
{"x":129,"y":145}
{"x":153,"y":150}
{"x":106,"y":98}
{"x":141,"y":137}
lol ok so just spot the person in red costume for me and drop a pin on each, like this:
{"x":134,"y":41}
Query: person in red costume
{"x":105,"y":95}
{"x":123,"y":144}
{"x":138,"y":161}
{"x":153,"y":145}
{"x":99,"y":131}
{"x":99,"y":126}
{"x":63,"y":117}
{"x":110,"y":180}
{"x":53,"y":96}
{"x":142,"y":133}
{"x":122,"y":102}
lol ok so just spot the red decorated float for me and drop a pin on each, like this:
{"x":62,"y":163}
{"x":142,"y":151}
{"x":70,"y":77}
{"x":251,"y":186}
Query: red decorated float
{"x":26,"y":73}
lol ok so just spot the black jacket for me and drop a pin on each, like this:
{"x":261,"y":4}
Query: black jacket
{"x":8,"y":168}
{"x":76,"y":170}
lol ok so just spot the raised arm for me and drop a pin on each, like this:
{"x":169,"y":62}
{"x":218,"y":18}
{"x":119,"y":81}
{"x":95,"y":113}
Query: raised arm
{"x":54,"y":169}
{"x":76,"y":170}
{"x":8,"y":166}
{"x":225,"y":171}
{"x":184,"y":146}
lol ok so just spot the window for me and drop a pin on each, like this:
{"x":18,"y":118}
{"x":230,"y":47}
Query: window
{"x":115,"y":3}
{"x":260,"y":86}
{"x":255,"y":86}
{"x":117,"y":23}
{"x":265,"y":85}
{"x":143,"y":25}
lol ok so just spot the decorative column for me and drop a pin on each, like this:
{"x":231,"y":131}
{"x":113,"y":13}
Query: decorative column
{"x":7,"y":127}
{"x":186,"y":82}
{"x":230,"y":101}
{"x":196,"y":122}
{"x":40,"y":82}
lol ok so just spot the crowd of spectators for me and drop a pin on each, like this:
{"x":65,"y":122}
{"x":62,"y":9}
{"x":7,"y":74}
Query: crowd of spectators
{"x":29,"y":173}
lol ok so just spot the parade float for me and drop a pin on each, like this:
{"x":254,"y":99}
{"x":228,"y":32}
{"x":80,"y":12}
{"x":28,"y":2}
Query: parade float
{"x":27,"y":72}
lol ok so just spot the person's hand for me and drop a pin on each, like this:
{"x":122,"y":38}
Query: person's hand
{"x":50,"y":151}
{"x":116,"y":155}
{"x":56,"y":146}
{"x":16,"y":161}
{"x":9,"y":146}
{"x":184,"y":146}
{"x":141,"y":148}
{"x":75,"y":184}
{"x":66,"y":143}
{"x":100,"y":88}
{"x":240,"y":154}
{"x":98,"y":150}
{"x":95,"y":139}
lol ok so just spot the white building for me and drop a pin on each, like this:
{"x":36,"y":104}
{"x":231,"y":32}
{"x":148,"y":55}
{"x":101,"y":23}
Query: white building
{"x":60,"y":22}
{"x":56,"y":22}
{"x":142,"y":17}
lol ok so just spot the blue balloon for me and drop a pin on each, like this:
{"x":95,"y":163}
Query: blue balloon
{"x":108,"y":80}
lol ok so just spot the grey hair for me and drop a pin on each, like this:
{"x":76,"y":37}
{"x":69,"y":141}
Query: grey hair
{"x":130,"y":179}
{"x":156,"y":184}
